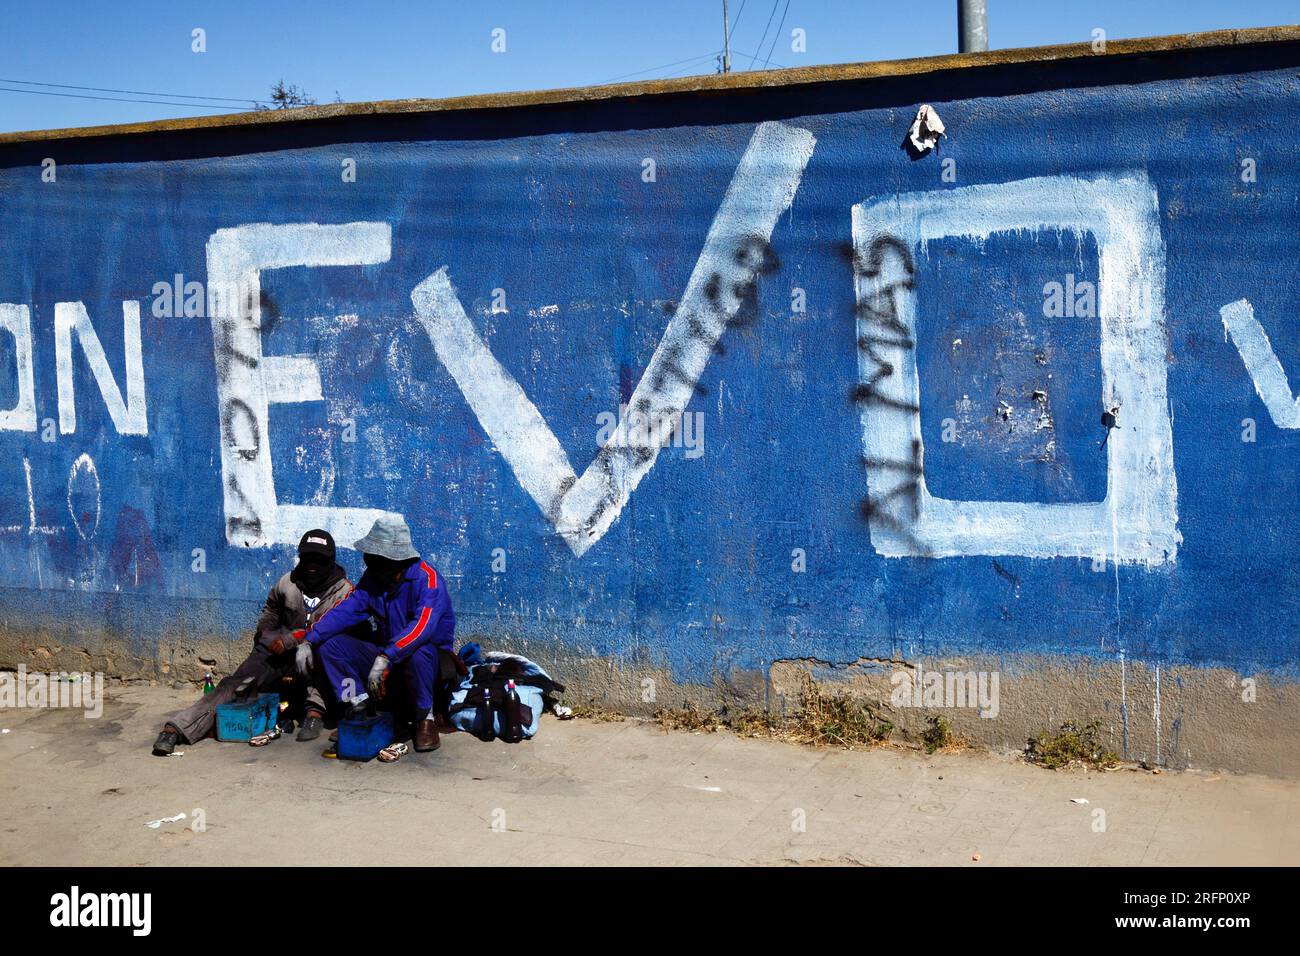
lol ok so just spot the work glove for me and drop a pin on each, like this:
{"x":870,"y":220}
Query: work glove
{"x":303,"y":659}
{"x":287,"y":642}
{"x":378,"y":674}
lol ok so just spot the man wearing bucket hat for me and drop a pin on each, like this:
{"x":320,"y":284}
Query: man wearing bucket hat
{"x":296,"y":602}
{"x":408,"y":600}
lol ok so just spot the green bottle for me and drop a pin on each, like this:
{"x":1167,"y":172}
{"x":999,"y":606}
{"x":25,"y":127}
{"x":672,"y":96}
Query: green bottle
{"x":208,"y":687}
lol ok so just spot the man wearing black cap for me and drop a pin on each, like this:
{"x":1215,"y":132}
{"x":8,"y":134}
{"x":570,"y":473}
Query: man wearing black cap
{"x":293,"y":607}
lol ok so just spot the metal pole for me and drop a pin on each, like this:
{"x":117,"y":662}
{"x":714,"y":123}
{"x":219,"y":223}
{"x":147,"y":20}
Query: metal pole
{"x":972,"y":26}
{"x":726,"y":40}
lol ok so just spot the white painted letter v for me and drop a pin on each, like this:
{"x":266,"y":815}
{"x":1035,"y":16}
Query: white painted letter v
{"x":735,"y":252}
{"x":1261,"y":362}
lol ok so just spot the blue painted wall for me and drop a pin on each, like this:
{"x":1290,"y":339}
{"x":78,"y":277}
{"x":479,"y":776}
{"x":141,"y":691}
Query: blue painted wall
{"x":549,"y":204}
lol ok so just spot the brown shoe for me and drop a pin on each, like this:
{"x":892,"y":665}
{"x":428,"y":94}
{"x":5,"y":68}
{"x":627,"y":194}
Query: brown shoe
{"x":426,"y":736}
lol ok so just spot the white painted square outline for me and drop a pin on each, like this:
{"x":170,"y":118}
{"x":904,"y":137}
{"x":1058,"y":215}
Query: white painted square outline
{"x":1137,"y":520}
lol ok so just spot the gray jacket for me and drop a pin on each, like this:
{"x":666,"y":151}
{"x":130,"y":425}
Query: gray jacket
{"x":286,"y":611}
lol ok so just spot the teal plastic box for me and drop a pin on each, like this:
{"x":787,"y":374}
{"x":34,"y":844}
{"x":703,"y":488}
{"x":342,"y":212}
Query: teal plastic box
{"x":243,"y":720}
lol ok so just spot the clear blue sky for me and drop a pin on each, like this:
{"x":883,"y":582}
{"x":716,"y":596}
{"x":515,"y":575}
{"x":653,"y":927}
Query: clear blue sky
{"x":388,"y":49}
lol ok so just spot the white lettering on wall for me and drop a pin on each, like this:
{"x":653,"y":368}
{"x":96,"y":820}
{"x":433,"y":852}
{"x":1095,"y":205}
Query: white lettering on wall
{"x":129,"y":416}
{"x":1261,"y":362}
{"x":249,"y":382}
{"x":583,"y":508}
{"x":1137,"y":520}
{"x":17,"y":321}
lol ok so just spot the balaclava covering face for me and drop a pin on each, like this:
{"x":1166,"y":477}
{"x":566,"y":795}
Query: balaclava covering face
{"x":316,"y":568}
{"x":386,"y":569}
{"x":312,"y":572}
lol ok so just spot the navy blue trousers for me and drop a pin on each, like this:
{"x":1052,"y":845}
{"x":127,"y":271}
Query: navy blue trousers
{"x":347,"y":661}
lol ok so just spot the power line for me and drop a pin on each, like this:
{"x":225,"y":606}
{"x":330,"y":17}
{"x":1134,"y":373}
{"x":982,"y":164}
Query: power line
{"x":687,"y":71}
{"x":107,"y":89}
{"x":754,"y":59}
{"x":736,"y":22}
{"x":118,"y":99}
{"x":779,"y":27}
{"x":767,"y":27}
{"x":664,"y":66}
{"x":728,"y":30}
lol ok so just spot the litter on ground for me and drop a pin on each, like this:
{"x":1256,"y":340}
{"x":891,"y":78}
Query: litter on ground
{"x":155,"y":824}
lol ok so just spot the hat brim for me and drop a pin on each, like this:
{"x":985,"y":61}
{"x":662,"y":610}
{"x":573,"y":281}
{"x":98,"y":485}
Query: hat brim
{"x":391,"y":550}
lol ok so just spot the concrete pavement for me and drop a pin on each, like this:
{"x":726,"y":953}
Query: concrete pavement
{"x":76,"y":791}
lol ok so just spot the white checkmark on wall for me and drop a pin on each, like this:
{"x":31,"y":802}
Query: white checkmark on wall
{"x":1261,"y":362}
{"x":583,"y":508}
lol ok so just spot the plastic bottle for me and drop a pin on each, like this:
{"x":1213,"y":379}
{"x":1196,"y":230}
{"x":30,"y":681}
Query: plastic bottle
{"x":208,"y":686}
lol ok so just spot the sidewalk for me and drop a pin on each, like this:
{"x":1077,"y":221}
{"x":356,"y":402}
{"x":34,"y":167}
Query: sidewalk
{"x":77,"y":791}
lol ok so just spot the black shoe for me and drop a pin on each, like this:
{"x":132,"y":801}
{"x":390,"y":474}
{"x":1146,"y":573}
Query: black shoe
{"x":166,"y":743}
{"x":311,"y":727}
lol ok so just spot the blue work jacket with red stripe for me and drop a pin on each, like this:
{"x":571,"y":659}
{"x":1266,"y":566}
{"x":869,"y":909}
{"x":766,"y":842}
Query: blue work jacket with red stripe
{"x":411,"y":613}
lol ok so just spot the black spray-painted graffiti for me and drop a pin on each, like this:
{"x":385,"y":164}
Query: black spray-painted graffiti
{"x":754,"y":258}
{"x":879,"y":326}
{"x":240,"y":431}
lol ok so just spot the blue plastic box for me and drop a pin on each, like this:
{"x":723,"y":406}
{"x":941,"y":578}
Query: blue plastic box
{"x":362,"y":738}
{"x":243,"y":720}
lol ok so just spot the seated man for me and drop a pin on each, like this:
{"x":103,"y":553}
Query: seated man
{"x":408,"y":601}
{"x":297,"y":602}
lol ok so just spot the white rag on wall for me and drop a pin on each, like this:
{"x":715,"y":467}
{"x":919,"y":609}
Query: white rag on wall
{"x":926,"y":129}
